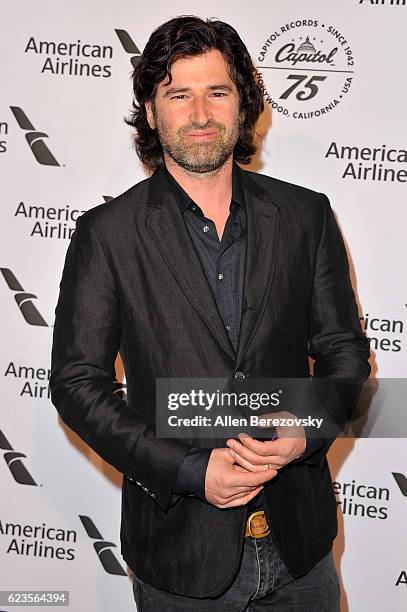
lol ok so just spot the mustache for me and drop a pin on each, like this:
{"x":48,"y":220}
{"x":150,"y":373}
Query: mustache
{"x":196,"y":127}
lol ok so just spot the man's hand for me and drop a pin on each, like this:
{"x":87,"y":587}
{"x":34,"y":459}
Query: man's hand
{"x":253,"y":455}
{"x":227,"y":486}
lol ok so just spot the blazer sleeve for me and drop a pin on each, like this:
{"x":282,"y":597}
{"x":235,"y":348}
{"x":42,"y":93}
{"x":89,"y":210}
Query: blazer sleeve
{"x":336,"y":342}
{"x":191,"y":475}
{"x":86,"y":340}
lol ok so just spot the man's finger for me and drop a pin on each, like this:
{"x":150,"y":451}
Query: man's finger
{"x":258,"y":452}
{"x":260,"y":447}
{"x":251,"y":467}
{"x":251,"y":479}
{"x":278,"y":447}
{"x":224,"y":498}
{"x":237,"y":450}
{"x":241,"y":501}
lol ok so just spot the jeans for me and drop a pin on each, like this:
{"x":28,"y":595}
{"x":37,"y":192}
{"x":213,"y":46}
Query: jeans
{"x":262,"y":583}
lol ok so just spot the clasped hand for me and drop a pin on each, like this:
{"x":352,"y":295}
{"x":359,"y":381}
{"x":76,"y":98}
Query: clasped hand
{"x":253,"y":455}
{"x":237,"y":474}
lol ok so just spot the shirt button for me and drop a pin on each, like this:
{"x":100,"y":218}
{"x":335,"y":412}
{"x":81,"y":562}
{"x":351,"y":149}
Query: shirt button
{"x":205,"y":228}
{"x":240,"y":376}
{"x":228,"y":327}
{"x":220,"y":276}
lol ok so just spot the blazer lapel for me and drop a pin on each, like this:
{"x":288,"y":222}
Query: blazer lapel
{"x":167,"y":228}
{"x":263,"y":219}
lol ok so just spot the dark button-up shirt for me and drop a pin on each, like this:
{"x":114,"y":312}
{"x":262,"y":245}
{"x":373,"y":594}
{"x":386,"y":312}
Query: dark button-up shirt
{"x":223,"y":262}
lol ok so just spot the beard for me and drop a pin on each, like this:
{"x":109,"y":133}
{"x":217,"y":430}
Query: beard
{"x":199,"y":157}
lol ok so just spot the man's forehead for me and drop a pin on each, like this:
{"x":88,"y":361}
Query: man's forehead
{"x":208,"y":65}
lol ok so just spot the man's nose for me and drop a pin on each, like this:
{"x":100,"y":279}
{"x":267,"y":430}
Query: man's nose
{"x":200,"y":111}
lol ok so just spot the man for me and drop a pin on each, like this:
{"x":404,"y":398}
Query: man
{"x":206,"y":270}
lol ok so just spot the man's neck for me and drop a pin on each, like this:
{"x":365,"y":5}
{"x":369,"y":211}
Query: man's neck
{"x":212,"y":191}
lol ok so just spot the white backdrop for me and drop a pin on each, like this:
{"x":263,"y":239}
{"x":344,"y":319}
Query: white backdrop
{"x":335,"y":124}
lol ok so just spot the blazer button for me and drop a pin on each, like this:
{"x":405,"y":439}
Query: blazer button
{"x":240,"y":376}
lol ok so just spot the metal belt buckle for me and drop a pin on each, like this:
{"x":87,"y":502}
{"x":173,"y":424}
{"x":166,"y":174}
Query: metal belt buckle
{"x":249,"y":525}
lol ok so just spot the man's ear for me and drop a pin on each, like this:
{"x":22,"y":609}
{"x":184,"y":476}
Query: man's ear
{"x":150,"y":114}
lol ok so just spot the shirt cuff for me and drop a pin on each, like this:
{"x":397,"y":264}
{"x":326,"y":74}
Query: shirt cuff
{"x":190,"y":479}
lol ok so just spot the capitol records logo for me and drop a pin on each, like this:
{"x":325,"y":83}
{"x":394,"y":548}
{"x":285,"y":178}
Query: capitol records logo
{"x":305,"y":69}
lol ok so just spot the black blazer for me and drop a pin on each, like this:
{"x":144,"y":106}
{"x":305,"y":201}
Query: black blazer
{"x":132,"y":282}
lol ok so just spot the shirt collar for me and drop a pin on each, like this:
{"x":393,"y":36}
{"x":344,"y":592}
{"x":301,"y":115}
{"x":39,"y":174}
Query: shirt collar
{"x":184,"y":201}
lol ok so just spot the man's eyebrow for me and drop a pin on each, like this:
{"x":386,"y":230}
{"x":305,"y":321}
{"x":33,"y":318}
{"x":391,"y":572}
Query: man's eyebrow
{"x":221,"y":86}
{"x":177,"y":90}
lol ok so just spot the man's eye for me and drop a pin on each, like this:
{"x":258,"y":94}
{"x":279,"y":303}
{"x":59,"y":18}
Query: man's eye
{"x":178,"y":97}
{"x":218,"y":94}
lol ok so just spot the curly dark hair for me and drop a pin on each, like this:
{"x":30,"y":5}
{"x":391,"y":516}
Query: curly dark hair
{"x":189,"y":36}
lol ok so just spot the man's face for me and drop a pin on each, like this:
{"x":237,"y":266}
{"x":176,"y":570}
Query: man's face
{"x":197,"y":116}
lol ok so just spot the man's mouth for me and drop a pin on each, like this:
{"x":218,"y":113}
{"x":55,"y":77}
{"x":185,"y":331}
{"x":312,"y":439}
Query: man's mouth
{"x":203,"y":134}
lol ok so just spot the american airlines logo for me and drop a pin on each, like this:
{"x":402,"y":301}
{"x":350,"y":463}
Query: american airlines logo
{"x":401,"y":481}
{"x":23,"y":299}
{"x":129,"y":46}
{"x":14,"y":463}
{"x":103,"y":548}
{"x":34,"y":138}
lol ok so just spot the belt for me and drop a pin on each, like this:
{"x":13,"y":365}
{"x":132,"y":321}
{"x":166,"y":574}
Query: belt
{"x":256,"y":525}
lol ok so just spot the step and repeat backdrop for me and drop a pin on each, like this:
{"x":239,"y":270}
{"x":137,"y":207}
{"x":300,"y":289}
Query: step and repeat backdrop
{"x":335,"y":97}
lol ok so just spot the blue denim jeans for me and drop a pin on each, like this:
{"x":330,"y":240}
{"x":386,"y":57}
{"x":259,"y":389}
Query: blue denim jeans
{"x":262,"y":583}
